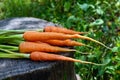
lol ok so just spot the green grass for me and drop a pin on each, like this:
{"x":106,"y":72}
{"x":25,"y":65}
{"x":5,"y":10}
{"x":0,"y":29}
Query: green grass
{"x":101,"y":18}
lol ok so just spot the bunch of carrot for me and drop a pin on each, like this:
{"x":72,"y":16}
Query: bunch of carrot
{"x":41,"y":43}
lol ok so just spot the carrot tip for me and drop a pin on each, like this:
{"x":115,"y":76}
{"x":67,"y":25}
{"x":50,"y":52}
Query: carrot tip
{"x":86,"y":62}
{"x":82,"y":32}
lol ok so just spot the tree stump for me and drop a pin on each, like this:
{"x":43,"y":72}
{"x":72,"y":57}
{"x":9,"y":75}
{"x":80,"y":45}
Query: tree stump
{"x":24,"y":69}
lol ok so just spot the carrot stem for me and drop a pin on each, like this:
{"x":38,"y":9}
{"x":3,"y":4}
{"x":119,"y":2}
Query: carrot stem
{"x":7,"y":51}
{"x":11,"y":39}
{"x":2,"y":32}
{"x":11,"y":31}
{"x":16,"y":36}
{"x":10,"y":54}
{"x":15,"y":55}
{"x":8,"y":47}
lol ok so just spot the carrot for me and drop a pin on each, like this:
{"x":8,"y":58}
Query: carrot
{"x":67,"y":42}
{"x":32,"y":46}
{"x":61,"y":30}
{"x":42,"y":56}
{"x":42,"y":36}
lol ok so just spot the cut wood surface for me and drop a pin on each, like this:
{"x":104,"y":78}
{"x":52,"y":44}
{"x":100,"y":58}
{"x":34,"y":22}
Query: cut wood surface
{"x":17,"y":69}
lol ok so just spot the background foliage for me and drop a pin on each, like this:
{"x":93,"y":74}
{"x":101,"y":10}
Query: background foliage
{"x":101,"y":18}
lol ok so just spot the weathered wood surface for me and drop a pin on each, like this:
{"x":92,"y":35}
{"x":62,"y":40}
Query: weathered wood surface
{"x":17,"y":69}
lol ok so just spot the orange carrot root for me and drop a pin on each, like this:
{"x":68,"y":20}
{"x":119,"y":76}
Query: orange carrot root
{"x":61,"y":30}
{"x":41,"y":36}
{"x":32,"y":46}
{"x":41,"y":56}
